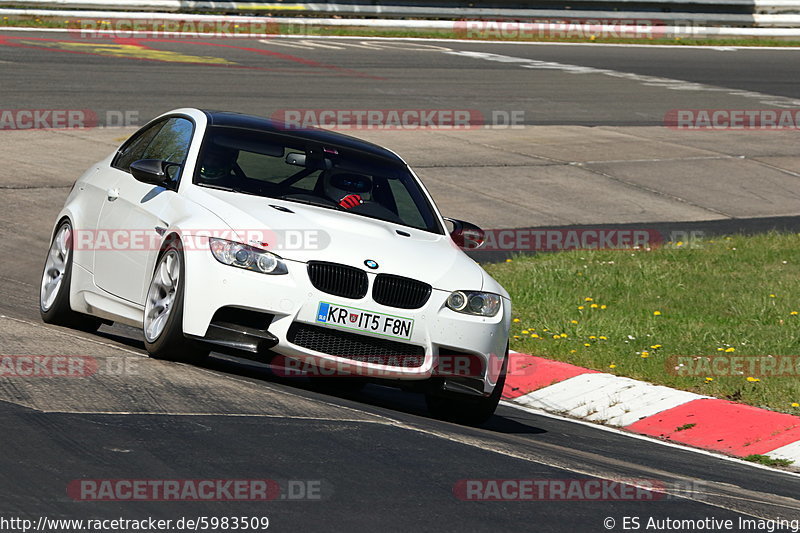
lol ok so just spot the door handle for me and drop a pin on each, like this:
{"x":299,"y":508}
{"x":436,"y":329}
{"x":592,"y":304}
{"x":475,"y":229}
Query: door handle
{"x":112,"y":194}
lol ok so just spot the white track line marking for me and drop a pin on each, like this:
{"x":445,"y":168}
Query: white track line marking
{"x":652,"y":81}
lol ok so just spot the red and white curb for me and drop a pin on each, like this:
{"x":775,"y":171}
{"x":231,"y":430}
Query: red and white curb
{"x":652,"y":410}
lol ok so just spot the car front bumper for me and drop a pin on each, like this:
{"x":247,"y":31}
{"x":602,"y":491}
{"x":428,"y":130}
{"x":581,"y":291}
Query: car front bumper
{"x":292,"y":300}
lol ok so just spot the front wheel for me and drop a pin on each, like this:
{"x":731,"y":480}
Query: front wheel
{"x":56,"y":279}
{"x":467,"y":410}
{"x":163,"y":311}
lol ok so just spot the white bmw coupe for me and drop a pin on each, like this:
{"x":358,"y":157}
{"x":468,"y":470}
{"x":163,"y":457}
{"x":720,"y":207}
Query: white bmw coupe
{"x":310,"y":250}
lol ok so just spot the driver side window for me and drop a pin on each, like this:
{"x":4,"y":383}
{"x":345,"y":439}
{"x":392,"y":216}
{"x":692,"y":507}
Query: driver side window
{"x":167,"y":140}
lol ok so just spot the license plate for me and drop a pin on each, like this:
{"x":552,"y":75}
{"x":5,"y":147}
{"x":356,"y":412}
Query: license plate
{"x":356,"y":319}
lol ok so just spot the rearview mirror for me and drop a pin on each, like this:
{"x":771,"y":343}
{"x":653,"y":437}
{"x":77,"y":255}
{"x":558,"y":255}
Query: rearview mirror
{"x":298,"y":160}
{"x":153,"y":171}
{"x":467,"y":236}
{"x":302,"y":160}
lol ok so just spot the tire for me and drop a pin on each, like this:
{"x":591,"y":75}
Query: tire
{"x":163,"y":312}
{"x":467,"y":410}
{"x":54,"y":289}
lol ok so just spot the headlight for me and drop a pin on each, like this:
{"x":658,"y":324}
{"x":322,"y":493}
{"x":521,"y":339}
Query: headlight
{"x":475,"y":303}
{"x":247,"y":257}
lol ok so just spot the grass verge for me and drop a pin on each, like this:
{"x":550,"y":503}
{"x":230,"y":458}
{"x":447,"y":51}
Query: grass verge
{"x":768,"y":461}
{"x":725,"y":309}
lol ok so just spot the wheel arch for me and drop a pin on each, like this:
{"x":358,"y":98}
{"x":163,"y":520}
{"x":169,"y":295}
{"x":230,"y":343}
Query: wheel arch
{"x":171,"y":238}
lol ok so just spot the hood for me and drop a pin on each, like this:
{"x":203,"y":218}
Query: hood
{"x":300,"y":232}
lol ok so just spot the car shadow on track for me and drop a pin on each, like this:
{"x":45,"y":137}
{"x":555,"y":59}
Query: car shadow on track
{"x":375,"y":395}
{"x":385,"y":397}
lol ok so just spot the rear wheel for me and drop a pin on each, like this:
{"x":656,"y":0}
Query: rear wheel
{"x":163,"y":312}
{"x":56,"y":279}
{"x":467,"y":410}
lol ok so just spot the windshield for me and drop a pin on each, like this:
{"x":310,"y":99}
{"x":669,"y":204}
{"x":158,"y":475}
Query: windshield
{"x":296,"y":170}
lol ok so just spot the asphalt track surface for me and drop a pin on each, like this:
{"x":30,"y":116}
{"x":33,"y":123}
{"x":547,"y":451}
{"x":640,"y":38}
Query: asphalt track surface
{"x":381,"y":461}
{"x":262,"y":77}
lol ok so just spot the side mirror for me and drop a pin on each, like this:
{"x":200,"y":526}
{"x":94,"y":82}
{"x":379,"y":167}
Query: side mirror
{"x":153,"y":172}
{"x":467,"y":236}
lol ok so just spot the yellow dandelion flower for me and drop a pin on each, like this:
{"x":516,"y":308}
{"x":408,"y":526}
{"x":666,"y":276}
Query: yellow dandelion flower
{"x":731,"y":349}
{"x":586,"y":344}
{"x":612,"y":365}
{"x":563,"y":335}
{"x":556,"y":336}
{"x":657,"y":313}
{"x":588,"y":299}
{"x":720,"y":349}
{"x":603,"y":338}
{"x":709,"y":380}
{"x":516,"y":320}
{"x":795,"y":404}
{"x":645,"y":355}
{"x":604,"y":306}
{"x":751,"y":379}
{"x":772,"y":296}
{"x":594,"y":306}
{"x":592,"y":337}
{"x":535,"y":336}
{"x":580,"y":307}
{"x":655,"y":346}
{"x":573,"y":321}
{"x":525,"y":331}
{"x":508,"y":260}
{"x":793,"y":313}
{"x":573,"y":351}
{"x":516,"y":336}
